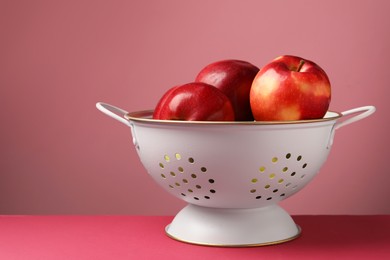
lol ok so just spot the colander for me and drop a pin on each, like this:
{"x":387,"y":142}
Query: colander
{"x":233,"y":174}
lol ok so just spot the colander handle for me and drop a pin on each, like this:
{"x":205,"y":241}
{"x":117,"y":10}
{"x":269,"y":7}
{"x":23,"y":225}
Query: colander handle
{"x":362,"y":112}
{"x":114,"y":112}
{"x":118,"y":114}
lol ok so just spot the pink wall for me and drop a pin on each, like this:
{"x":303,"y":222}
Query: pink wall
{"x":59,"y":155}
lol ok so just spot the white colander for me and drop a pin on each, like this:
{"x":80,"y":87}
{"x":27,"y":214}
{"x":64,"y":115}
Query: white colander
{"x":233,"y":174}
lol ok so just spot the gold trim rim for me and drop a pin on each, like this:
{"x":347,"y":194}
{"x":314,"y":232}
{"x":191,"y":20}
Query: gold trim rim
{"x":237,"y":245}
{"x":145,"y":116}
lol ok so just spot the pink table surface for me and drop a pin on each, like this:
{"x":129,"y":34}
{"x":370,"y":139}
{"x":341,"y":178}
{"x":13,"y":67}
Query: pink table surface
{"x":143,"y":237}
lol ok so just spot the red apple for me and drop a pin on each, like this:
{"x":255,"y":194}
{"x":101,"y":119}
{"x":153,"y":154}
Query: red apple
{"x":234,"y":78}
{"x":161,"y":103}
{"x":290,"y":88}
{"x":195,"y":101}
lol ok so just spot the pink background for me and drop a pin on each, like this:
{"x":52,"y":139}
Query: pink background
{"x":59,"y":155}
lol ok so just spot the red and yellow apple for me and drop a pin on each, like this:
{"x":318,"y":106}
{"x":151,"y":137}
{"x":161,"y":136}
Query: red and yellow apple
{"x":194,"y":101}
{"x":234,"y":78}
{"x":290,"y":88}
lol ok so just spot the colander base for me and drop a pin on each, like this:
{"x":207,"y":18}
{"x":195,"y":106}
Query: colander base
{"x":233,"y":227}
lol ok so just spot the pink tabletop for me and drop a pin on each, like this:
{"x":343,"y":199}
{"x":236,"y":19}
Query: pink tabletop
{"x":140,"y":237}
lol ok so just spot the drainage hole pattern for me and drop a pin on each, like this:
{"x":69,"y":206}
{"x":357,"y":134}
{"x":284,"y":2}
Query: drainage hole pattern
{"x":270,"y":184}
{"x":183,"y":174}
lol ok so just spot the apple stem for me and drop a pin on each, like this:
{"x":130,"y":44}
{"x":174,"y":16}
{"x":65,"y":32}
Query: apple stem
{"x":300,"y":65}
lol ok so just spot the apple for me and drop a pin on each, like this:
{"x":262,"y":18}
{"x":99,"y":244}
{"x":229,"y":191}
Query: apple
{"x":234,"y":78}
{"x":161,"y":103}
{"x":195,"y":101}
{"x":290,"y":88}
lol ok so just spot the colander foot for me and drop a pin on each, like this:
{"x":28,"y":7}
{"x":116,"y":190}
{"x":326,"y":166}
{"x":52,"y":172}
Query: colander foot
{"x":233,"y":227}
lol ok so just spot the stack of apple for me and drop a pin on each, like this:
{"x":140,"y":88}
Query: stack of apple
{"x":287,"y":88}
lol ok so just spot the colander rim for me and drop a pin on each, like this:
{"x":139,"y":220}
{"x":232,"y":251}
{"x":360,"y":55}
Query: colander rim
{"x":146,"y":117}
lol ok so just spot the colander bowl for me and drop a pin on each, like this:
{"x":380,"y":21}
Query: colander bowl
{"x":233,"y":174}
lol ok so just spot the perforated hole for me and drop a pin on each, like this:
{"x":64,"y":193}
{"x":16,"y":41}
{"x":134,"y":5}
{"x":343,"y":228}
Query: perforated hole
{"x":277,"y":174}
{"x":172,"y":166}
